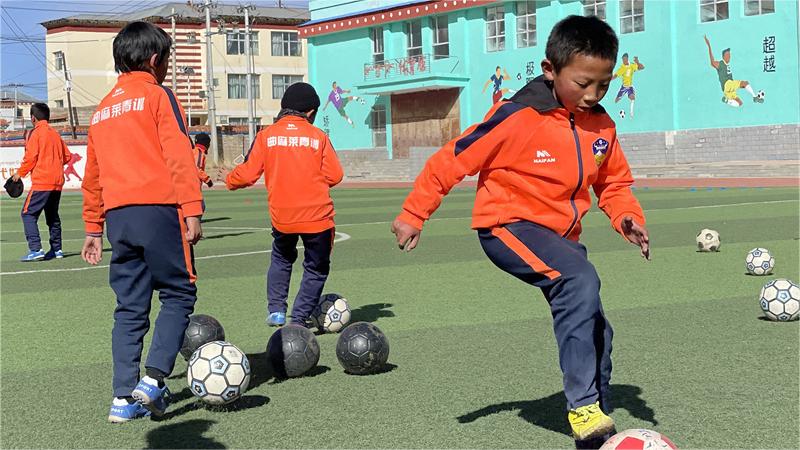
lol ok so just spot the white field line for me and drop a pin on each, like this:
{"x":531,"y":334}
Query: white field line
{"x":341,"y":238}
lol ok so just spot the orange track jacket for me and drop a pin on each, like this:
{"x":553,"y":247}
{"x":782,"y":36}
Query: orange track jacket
{"x":138,"y":152}
{"x":200,"y":152}
{"x":536,"y":162}
{"x":299,"y":166}
{"x":45,"y":156}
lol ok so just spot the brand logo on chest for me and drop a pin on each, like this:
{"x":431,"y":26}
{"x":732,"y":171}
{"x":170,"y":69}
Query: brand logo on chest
{"x":543,"y":157}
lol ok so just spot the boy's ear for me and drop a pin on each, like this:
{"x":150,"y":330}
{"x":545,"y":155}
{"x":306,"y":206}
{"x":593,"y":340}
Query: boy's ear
{"x":154,"y":60}
{"x":311,"y":113}
{"x":548,"y":70}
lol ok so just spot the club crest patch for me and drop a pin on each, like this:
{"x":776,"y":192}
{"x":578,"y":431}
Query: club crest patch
{"x":600,"y":149}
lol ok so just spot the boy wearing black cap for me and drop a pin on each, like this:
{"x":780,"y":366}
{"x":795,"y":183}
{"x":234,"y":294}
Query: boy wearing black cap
{"x":299,"y":166}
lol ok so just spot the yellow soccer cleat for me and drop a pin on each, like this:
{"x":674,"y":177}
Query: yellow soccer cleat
{"x":589,"y":422}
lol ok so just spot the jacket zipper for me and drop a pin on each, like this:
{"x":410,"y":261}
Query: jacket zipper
{"x":580,"y":175}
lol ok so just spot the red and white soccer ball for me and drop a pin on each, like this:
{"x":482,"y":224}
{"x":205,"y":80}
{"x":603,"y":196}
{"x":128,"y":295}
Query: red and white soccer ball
{"x":639,"y":439}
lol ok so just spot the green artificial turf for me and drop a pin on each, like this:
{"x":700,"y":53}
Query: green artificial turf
{"x":473,"y":362}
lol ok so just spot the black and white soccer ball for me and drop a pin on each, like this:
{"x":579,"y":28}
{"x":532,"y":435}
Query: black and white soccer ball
{"x":780,"y":300}
{"x":708,"y":241}
{"x":331,"y":314}
{"x":761,"y":94}
{"x":621,"y":113}
{"x":759,"y":261}
{"x":362,"y":349}
{"x":218,"y":373}
{"x":293,"y":350}
{"x":202,"y":329}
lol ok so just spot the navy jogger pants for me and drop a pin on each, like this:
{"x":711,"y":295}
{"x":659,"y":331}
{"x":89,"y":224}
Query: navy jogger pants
{"x":560,"y":268}
{"x":37,"y":202}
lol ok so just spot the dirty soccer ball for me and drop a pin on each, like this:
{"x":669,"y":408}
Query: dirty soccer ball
{"x":362,"y":349}
{"x":218,"y":373}
{"x":202,"y":329}
{"x":708,"y":241}
{"x":759,"y":262}
{"x":331,"y":314}
{"x":780,"y":300}
{"x":638,"y":439}
{"x":293,"y":350}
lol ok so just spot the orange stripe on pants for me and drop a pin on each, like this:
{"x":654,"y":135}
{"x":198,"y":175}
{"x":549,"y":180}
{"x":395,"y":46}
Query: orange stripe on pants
{"x":525,"y":253}
{"x":187,"y":249}
{"x":27,"y":202}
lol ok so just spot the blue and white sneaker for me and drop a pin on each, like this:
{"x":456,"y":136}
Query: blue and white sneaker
{"x":33,"y":256}
{"x":276,"y":319}
{"x":122,"y":411}
{"x":58,"y":254}
{"x":151,"y":396}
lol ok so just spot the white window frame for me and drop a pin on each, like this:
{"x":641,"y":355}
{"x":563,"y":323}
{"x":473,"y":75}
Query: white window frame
{"x":234,"y":43}
{"x":634,"y":21}
{"x":526,"y":15}
{"x":414,"y":32}
{"x":496,"y":40}
{"x":288,"y":43}
{"x":237,"y":86}
{"x":440,"y":25}
{"x":712,"y":10}
{"x":760,"y":3}
{"x":594,"y":8}
{"x":284,"y":82}
{"x":376,"y":34}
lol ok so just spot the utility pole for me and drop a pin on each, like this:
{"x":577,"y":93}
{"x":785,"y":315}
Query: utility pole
{"x":68,"y":87}
{"x":251,"y":126}
{"x":212,"y":113}
{"x":14,"y":117}
{"x":172,"y":56}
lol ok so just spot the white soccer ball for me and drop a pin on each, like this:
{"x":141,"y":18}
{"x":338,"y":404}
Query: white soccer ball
{"x":641,"y":438}
{"x":708,"y":240}
{"x":780,"y":300}
{"x":218,"y":373}
{"x":759,"y":261}
{"x":331,"y":314}
{"x":621,"y":113}
{"x":761,"y":94}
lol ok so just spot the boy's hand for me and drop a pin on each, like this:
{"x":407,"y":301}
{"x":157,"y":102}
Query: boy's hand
{"x":193,"y":230}
{"x":222,"y":173}
{"x":407,"y":235}
{"x":92,"y":251}
{"x":15,"y":177}
{"x":637,"y":234}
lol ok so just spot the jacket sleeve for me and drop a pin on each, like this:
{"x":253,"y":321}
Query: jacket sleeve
{"x":31,"y":155}
{"x":613,"y":188}
{"x":67,"y":155}
{"x":201,"y":174}
{"x":93,"y":213}
{"x":248,"y":172}
{"x":331,"y":168}
{"x":465,"y":155}
{"x":176,"y":148}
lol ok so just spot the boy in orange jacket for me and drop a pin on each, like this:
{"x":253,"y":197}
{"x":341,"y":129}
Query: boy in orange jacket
{"x":537,"y":155}
{"x":153,"y":215}
{"x":45,"y":157}
{"x":299,"y":166}
{"x":202,"y":143}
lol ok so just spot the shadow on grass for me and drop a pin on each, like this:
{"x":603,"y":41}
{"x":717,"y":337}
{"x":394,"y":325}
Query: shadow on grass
{"x":315,"y":371}
{"x":224,"y":235}
{"x":388,"y":367}
{"x":371,"y":313}
{"x":188,"y":434}
{"x":214,"y":219}
{"x":244,"y":403}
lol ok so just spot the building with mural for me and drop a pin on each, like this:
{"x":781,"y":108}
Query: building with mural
{"x":398,"y":74}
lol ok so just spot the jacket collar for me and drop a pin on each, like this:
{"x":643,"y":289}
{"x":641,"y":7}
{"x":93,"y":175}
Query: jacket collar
{"x":40,"y":123}
{"x":136,"y":75}
{"x":538,"y":94}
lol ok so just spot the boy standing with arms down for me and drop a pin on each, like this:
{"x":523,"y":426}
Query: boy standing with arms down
{"x":299,"y":166}
{"x":146,"y":189}
{"x":45,"y":157}
{"x":537,"y":155}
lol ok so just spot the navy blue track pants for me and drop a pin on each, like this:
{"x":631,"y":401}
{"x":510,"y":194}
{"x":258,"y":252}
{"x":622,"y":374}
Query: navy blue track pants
{"x":148,"y":253}
{"x":560,"y":268}
{"x":316,"y":266}
{"x":35,"y":203}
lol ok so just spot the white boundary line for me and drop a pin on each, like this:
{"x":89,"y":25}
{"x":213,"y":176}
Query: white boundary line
{"x":342,"y":237}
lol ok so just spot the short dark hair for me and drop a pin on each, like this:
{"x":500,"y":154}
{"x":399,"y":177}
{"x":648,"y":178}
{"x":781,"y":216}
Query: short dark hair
{"x":136,"y":43}
{"x":41,"y":111}
{"x":202,"y":139}
{"x":624,"y":55}
{"x":575,"y":35}
{"x":727,"y":50}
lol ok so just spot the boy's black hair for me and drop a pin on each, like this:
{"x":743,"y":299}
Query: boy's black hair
{"x":727,"y":50}
{"x":624,"y":55}
{"x":136,"y":43}
{"x":41,"y":111}
{"x":575,"y":35}
{"x":203,"y":139}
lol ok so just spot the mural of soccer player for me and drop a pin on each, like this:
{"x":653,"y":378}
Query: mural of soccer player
{"x":497,"y":78}
{"x":729,"y":85}
{"x":626,"y":71}
{"x":340,"y":100}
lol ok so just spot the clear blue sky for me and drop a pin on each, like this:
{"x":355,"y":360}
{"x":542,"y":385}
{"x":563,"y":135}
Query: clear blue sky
{"x":22,"y":45}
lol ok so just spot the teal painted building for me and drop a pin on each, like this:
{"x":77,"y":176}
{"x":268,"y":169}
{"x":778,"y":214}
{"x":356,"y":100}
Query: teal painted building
{"x":416,"y":73}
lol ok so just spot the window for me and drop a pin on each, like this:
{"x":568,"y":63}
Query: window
{"x":713,"y":10}
{"x":631,"y":16}
{"x":378,"y":125}
{"x":756,"y":7}
{"x":594,"y":8}
{"x":526,"y":24}
{"x":235,"y":43}
{"x":281,"y":82}
{"x":242,"y":120}
{"x":377,"y":44}
{"x":59,"y":60}
{"x":441,"y":37}
{"x":495,"y":29}
{"x":59,"y":103}
{"x":237,"y":86}
{"x":414,"y":37}
{"x":286,"y":43}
